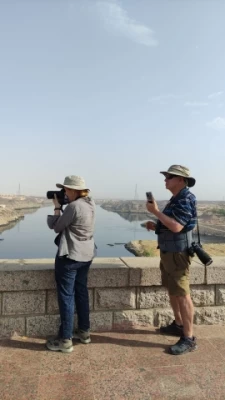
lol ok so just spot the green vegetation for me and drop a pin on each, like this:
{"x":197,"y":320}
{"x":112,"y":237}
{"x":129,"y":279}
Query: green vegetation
{"x":219,"y":211}
{"x":149,"y":253}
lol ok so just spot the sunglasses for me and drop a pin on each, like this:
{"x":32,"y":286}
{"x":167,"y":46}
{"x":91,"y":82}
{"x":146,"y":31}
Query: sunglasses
{"x":168,"y":177}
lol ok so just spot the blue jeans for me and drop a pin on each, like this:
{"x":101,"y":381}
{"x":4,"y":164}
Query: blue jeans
{"x":71,"y":280}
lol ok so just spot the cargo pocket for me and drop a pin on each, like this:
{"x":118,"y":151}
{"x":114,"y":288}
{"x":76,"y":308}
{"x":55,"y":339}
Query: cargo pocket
{"x":181,"y":261}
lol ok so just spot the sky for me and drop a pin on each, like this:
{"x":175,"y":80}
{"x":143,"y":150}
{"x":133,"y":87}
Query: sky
{"x":114,"y":91}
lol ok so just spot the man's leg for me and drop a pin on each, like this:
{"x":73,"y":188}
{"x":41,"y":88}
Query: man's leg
{"x":180,"y":287}
{"x":187,"y":314}
{"x":175,"y":328}
{"x":175,"y":304}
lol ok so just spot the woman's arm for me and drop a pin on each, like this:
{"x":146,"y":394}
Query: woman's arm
{"x":65,"y":219}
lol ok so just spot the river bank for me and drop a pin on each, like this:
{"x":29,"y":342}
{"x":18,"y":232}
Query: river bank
{"x":148,"y":248}
{"x":14,"y":208}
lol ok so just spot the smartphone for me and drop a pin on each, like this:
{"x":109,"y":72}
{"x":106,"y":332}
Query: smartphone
{"x":149,"y":196}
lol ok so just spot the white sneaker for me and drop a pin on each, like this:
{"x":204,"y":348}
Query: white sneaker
{"x":83,"y":336}
{"x":63,"y":345}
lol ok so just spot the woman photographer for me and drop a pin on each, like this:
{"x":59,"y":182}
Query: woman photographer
{"x":75,"y":228}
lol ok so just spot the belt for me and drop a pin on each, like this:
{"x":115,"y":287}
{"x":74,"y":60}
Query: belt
{"x":83,"y":239}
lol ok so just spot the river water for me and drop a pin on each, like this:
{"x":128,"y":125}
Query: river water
{"x":31,"y":237}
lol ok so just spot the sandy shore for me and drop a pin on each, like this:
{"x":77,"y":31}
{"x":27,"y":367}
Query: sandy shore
{"x":148,"y":248}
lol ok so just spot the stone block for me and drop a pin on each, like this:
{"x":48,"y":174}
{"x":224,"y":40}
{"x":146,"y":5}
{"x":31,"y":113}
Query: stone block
{"x":101,"y":321}
{"x":220,"y":295}
{"x":42,"y":326}
{"x":26,"y":280}
{"x":115,"y":299}
{"x":28,"y":302}
{"x":132,"y":318}
{"x":143,"y":271}
{"x":10,"y":326}
{"x":215,"y":273}
{"x":108,"y":272}
{"x":197,"y":274}
{"x":0,"y":303}
{"x":163,"y":317}
{"x":52,"y":302}
{"x":153,"y":296}
{"x":209,"y":315}
{"x":203,"y":295}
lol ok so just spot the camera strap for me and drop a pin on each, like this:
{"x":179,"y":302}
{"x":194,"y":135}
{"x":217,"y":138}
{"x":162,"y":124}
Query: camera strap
{"x":199,"y":240}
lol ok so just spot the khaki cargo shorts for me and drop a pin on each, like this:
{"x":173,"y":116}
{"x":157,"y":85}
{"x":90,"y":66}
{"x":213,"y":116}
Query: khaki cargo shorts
{"x":175,"y":272}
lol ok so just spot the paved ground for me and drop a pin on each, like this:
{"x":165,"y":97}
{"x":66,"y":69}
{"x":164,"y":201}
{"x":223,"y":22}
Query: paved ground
{"x":115,"y":366}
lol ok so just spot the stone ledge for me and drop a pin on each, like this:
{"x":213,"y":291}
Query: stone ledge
{"x":27,"y":264}
{"x":108,"y":272}
{"x":144,"y":271}
{"x":18,"y":275}
{"x":22,"y":280}
{"x":38,"y":274}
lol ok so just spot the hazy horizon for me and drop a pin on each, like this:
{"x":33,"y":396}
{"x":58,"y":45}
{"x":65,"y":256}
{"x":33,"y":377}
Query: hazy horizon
{"x":111,"y":198}
{"x":115,"y":91}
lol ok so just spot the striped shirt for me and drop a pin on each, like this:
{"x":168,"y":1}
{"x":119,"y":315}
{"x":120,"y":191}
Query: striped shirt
{"x":183,"y":209}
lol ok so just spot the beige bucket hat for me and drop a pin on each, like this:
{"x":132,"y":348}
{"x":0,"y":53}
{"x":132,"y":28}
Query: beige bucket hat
{"x":180,"y":170}
{"x":73,"y":182}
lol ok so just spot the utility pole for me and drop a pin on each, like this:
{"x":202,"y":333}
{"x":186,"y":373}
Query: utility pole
{"x":136,"y":193}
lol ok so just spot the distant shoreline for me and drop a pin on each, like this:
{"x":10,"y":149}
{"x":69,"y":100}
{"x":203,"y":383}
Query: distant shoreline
{"x":211,"y":214}
{"x":12,"y":210}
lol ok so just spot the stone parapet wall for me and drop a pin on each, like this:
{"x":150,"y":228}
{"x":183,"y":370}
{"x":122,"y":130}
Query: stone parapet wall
{"x":124,"y":293}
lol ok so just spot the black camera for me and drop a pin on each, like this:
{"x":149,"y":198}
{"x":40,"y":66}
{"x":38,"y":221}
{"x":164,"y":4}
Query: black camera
{"x":196,"y":248}
{"x":60,"y":194}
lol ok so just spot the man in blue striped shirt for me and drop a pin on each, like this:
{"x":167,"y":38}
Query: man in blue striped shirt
{"x":174,"y":229}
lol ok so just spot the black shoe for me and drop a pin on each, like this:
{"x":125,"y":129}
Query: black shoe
{"x":184,"y":345}
{"x":172,"y":329}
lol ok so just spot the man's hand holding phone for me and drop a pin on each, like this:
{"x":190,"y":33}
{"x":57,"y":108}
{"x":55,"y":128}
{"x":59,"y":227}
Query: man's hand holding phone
{"x":151,"y":204}
{"x":150,"y":225}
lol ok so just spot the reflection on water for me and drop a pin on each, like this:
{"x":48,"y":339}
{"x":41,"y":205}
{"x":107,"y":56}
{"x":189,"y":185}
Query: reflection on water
{"x":10,"y":225}
{"x":133,"y":217}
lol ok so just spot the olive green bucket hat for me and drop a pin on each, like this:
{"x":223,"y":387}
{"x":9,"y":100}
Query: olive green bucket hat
{"x":180,"y":170}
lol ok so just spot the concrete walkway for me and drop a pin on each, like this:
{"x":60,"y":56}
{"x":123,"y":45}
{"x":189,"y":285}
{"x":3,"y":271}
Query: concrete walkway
{"x":131,"y":365}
